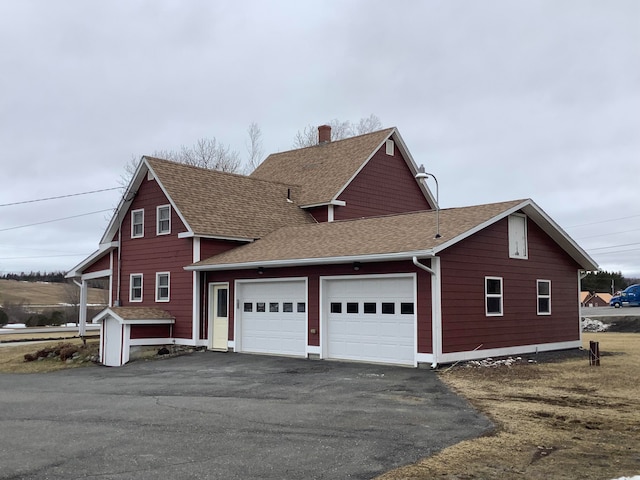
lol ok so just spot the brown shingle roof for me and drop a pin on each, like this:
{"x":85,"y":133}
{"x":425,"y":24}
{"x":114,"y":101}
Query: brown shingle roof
{"x":226,"y":204}
{"x":323,"y":170}
{"x":408,"y":232}
{"x":141,"y":313}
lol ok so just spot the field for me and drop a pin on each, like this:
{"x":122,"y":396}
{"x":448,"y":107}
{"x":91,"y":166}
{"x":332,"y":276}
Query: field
{"x":560,"y":420}
{"x":39,"y":293}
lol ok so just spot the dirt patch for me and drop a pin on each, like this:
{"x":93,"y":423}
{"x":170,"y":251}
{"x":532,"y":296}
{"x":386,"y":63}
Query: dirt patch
{"x":556,"y":417}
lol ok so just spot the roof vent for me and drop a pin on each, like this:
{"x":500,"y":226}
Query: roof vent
{"x":324,"y":134}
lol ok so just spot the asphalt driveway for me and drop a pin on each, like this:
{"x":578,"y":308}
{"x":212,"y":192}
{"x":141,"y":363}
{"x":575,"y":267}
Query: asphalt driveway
{"x":227,"y":416}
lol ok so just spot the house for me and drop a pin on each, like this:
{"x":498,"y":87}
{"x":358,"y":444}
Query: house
{"x":595,"y":299}
{"x":335,"y":251}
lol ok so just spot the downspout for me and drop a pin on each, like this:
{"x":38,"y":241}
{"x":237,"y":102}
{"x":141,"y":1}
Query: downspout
{"x":119,"y":264}
{"x":581,"y":275}
{"x":436,"y":313}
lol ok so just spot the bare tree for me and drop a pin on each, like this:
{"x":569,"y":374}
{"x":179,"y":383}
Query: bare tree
{"x":339,"y":130}
{"x":255,"y":152}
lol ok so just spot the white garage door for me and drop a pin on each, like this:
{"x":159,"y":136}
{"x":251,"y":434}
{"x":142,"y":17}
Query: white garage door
{"x":371,"y":320}
{"x":272,"y":317}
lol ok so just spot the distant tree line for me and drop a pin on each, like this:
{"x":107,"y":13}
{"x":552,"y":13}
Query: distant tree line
{"x":52,"y":277}
{"x":606,"y":282}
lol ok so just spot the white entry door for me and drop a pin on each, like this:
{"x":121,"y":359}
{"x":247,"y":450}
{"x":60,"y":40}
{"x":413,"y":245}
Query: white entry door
{"x":272,"y":317}
{"x":370,"y":319}
{"x":219,"y":316}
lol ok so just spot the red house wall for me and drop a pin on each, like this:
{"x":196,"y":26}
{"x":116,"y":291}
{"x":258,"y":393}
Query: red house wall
{"x":321,"y":214}
{"x":384,"y":186}
{"x":150,"y":331}
{"x":103,"y":263}
{"x":313,"y":305}
{"x":464,"y":267}
{"x":157,"y":253}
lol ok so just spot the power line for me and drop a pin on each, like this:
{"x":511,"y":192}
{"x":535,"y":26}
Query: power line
{"x":616,"y":246}
{"x":56,"y":220}
{"x":46,"y":256}
{"x":60,"y":196}
{"x":604,"y":221}
{"x":607,"y":234}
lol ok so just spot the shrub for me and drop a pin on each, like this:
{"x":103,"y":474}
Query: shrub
{"x":4,"y":318}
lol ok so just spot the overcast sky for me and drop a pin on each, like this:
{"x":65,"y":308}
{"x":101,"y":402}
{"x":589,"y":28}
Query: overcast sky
{"x":501,"y":100}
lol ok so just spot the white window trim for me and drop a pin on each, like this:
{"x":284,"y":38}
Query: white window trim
{"x":525,"y":255}
{"x":131,"y":299}
{"x":168,"y":274}
{"x":158,"y":232}
{"x":389,"y":147}
{"x":133,"y":212}
{"x":538,"y":297}
{"x":494,"y":295}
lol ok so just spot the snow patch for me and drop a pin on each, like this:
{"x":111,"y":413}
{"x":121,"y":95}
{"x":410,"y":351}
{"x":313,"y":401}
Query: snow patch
{"x":593,"y":325}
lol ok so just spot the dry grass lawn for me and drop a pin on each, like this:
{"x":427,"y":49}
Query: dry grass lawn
{"x":39,"y":293}
{"x":12,"y":357}
{"x":564,"y":420}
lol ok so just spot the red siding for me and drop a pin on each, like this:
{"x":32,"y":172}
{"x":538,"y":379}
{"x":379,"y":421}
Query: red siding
{"x":313,"y":305}
{"x":150,"y":331}
{"x":464,"y":267}
{"x":158,"y":253}
{"x":384,"y":186}
{"x":103,"y":263}
{"x":321,"y":214}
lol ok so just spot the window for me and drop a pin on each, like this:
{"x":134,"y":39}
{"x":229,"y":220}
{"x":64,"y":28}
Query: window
{"x":352,"y":307}
{"x":274,"y":307}
{"x":137,"y":223}
{"x":260,"y":307}
{"x":388,"y":308}
{"x":163,"y":214}
{"x":389,"y":147}
{"x":162,"y":287}
{"x":406,"y":308}
{"x":369,"y":307}
{"x":248,"y":307}
{"x":493,"y":296}
{"x":518,"y":247}
{"x":302,"y":307}
{"x":287,"y":307}
{"x":336,"y":307}
{"x":544,"y":297}
{"x":135,"y":287}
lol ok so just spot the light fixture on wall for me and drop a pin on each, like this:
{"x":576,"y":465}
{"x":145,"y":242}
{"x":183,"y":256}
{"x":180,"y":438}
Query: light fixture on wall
{"x":260,"y":270}
{"x":422,"y":175}
{"x":356,"y":266}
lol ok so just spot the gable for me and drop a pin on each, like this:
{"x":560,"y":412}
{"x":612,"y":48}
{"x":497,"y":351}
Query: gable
{"x":385,"y":185}
{"x":323,"y":170}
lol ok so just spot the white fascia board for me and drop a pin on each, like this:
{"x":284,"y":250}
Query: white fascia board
{"x":98,"y":274}
{"x":426,"y":191}
{"x":479,"y":227}
{"x":125,"y":201}
{"x":364,"y":164}
{"x":166,"y":194}
{"x":107,"y":312}
{"x":379,"y":257}
{"x":191,"y":234}
{"x":102,"y":249}
{"x":337,"y":203}
{"x":537,"y":215}
{"x":563,"y":239}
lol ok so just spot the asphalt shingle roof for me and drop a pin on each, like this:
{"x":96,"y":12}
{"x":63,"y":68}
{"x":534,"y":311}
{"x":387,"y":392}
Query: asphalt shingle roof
{"x":408,"y":232}
{"x":226,"y":204}
{"x":142,"y":313}
{"x":322,"y":170}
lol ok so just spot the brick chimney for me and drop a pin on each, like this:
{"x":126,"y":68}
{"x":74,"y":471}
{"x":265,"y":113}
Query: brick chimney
{"x":324,"y":134}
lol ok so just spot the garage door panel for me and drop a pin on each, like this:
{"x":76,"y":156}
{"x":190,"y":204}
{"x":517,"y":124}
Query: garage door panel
{"x":270,"y":326}
{"x":376,"y":337}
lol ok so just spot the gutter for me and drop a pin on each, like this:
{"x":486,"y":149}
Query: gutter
{"x":436,"y":314}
